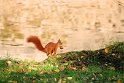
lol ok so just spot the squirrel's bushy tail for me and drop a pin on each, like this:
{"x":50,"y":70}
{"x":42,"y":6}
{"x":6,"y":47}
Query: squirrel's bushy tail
{"x":36,"y":41}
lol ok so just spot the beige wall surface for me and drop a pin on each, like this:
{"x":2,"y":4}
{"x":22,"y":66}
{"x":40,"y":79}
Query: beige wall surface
{"x":80,"y":24}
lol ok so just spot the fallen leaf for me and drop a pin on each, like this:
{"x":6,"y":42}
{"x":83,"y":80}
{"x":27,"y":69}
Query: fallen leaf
{"x":60,"y":80}
{"x":69,"y":78}
{"x":41,"y":72}
{"x":57,"y":70}
{"x":34,"y":81}
{"x":14,"y":81}
{"x":119,"y":81}
{"x":106,"y":50}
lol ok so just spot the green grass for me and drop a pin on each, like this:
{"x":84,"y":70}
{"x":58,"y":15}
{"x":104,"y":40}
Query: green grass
{"x":73,"y":67}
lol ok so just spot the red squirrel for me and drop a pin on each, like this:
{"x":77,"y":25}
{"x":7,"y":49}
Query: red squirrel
{"x":49,"y":48}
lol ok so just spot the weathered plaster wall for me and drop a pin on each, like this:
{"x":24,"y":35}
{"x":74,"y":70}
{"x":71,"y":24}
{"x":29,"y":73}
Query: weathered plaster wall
{"x":81,"y":24}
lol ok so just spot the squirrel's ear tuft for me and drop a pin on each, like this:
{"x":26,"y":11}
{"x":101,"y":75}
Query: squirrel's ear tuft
{"x":59,"y":40}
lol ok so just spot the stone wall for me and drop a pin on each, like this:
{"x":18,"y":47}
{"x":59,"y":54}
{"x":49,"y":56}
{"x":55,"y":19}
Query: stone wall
{"x":81,"y":24}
